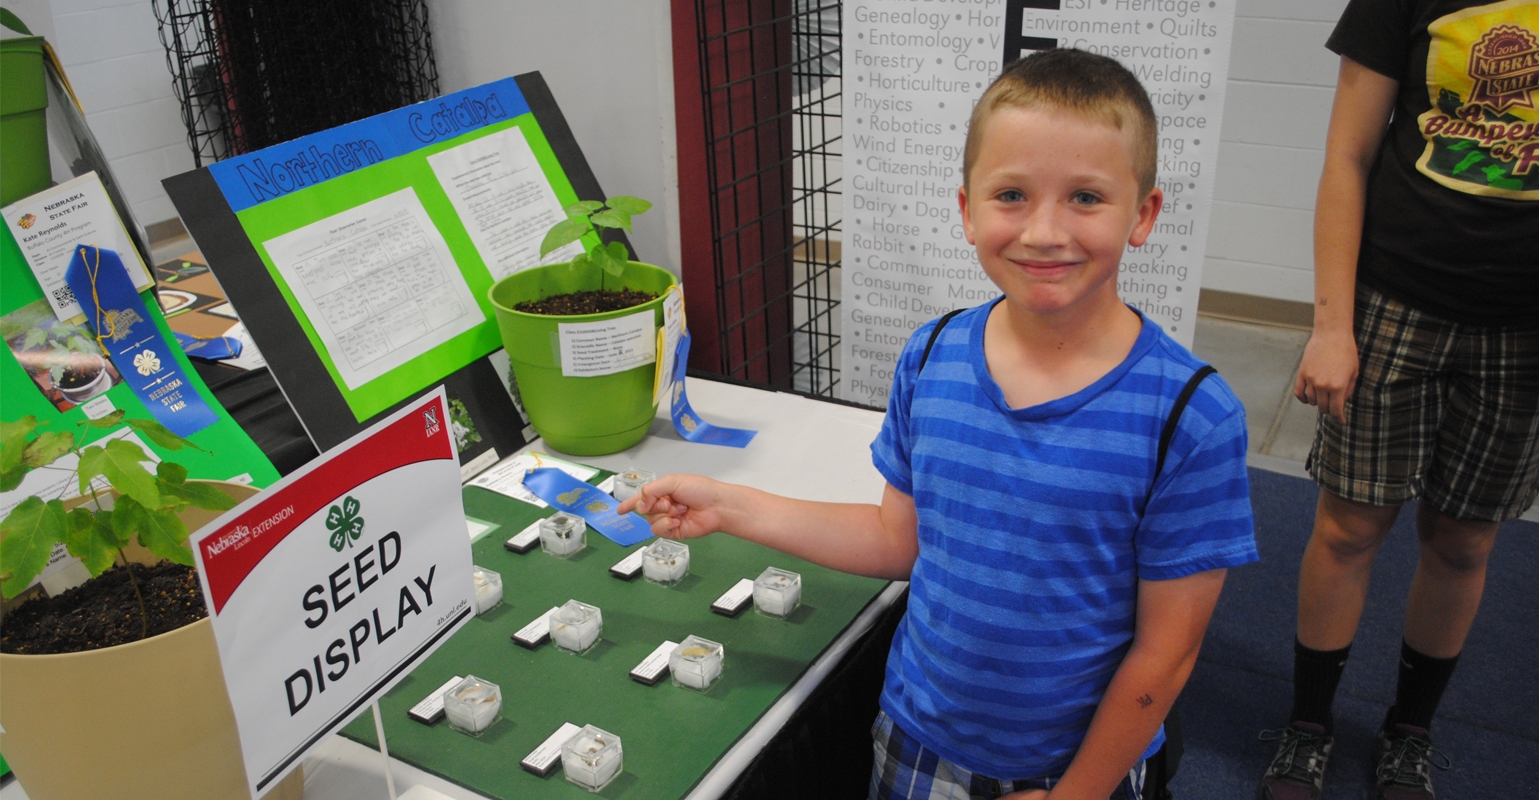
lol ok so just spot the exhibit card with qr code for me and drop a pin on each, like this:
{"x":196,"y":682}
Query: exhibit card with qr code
{"x":48,"y":226}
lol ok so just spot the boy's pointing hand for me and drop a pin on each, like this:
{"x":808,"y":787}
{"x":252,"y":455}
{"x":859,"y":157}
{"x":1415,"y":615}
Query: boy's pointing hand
{"x":678,"y":506}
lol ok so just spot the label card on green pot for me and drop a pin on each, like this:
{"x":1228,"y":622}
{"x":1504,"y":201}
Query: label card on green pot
{"x":590,"y":349}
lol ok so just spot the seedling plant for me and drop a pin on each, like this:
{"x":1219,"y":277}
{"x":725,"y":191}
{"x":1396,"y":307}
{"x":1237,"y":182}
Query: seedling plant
{"x":145,"y":509}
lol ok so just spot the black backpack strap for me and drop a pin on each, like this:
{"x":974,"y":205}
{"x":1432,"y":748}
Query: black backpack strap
{"x":1172,"y":419}
{"x":934,"y":332}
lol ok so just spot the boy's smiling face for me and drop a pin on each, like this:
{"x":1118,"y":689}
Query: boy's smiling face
{"x":1052,"y":201}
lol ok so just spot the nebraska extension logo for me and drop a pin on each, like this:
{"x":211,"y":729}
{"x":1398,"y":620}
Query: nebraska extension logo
{"x":430,"y":421}
{"x":345,"y":523}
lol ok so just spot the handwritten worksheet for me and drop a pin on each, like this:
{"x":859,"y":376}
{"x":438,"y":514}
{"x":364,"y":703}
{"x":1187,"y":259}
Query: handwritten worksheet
{"x":377,"y":284}
{"x":504,"y":199}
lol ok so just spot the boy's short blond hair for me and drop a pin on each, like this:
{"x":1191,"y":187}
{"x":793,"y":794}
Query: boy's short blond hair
{"x":1080,"y":82}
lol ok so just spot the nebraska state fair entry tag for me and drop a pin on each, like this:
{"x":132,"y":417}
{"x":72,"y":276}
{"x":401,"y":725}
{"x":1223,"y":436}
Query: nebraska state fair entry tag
{"x":48,"y":226}
{"x":328,"y":588}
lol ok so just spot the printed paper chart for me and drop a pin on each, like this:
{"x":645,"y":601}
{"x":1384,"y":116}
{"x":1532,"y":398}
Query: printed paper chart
{"x":377,"y":284}
{"x":912,"y":74}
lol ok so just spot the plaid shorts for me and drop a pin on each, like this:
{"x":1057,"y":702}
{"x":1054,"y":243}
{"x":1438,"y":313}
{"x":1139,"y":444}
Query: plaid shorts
{"x":903,"y":769}
{"x":1441,"y":411}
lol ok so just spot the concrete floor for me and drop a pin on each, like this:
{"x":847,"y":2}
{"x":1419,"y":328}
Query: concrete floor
{"x":1259,"y":362}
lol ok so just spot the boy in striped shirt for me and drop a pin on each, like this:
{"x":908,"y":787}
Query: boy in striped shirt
{"x":1024,"y":502}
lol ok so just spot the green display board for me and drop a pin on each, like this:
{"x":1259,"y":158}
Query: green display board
{"x":29,"y":330}
{"x":360,"y":257}
{"x":671,"y":736}
{"x":409,"y":170}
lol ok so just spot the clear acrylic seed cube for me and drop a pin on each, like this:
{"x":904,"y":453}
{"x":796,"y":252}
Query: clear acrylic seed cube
{"x":666,"y":562}
{"x":592,"y":758}
{"x":630,"y":481}
{"x":777,"y":592}
{"x":473,"y":705}
{"x":563,"y":534}
{"x":576,"y":626}
{"x":489,"y":589}
{"x":696,"y":663}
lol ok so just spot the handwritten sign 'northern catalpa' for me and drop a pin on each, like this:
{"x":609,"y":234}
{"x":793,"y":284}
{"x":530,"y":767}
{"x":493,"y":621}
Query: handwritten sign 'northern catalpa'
{"x":328,"y":588}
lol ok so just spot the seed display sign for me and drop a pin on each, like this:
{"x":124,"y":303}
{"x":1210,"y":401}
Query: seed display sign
{"x":912,"y":75}
{"x":326,"y":590}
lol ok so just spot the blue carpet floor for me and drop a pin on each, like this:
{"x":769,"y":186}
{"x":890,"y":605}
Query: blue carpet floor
{"x":1488,"y":719}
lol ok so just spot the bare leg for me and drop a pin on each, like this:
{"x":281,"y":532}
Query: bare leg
{"x":1451,"y":574}
{"x":1334,"y":574}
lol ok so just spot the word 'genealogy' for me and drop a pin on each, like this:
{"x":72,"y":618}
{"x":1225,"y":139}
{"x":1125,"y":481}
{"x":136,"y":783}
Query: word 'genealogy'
{"x":912,"y":74}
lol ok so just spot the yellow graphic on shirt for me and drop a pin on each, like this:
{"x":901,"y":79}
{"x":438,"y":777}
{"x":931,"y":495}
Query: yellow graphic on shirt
{"x":1481,"y":130}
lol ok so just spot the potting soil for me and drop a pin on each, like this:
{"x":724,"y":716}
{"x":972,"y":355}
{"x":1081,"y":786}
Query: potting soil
{"x":586,"y":302}
{"x":103,"y":612}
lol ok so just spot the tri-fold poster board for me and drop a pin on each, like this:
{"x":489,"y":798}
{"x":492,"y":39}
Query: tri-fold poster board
{"x":359,"y":258}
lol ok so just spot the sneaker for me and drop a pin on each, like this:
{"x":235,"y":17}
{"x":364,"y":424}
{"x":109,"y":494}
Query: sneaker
{"x":1402,"y":757}
{"x":1299,"y":765}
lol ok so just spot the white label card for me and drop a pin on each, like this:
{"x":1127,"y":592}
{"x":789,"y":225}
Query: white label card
{"x":668,"y":343}
{"x":654,"y":666}
{"x":98,"y":407}
{"x":50,"y":223}
{"x":735,"y":599}
{"x":525,"y":540}
{"x":535,"y":633}
{"x":431,"y":708}
{"x":544,"y":758}
{"x":630,"y":566}
{"x":609,"y":346}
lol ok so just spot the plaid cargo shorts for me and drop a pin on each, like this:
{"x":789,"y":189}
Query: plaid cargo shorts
{"x":904,"y":769}
{"x":1442,"y":411}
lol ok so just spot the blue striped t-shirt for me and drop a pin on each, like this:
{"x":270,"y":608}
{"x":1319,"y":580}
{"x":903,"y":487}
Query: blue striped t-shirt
{"x":1033,"y":532}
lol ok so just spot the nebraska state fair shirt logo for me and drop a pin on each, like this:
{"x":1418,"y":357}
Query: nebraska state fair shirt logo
{"x":1481,"y":130}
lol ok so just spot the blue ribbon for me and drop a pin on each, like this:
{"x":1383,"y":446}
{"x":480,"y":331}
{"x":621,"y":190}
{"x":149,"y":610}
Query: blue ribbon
{"x":566,"y":493}
{"x":126,"y":331}
{"x":687,"y":422}
{"x":212,"y":348}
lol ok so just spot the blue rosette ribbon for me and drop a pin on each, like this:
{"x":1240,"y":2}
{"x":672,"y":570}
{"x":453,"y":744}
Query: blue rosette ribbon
{"x":126,"y":331}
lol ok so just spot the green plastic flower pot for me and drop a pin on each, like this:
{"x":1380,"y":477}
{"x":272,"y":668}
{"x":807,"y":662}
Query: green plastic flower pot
{"x":582,"y":416}
{"x":24,"y":168}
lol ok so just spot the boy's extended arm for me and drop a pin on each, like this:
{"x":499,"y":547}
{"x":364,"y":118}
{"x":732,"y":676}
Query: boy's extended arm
{"x":1172,"y":617}
{"x":879,"y":541}
{"x":1359,"y":114}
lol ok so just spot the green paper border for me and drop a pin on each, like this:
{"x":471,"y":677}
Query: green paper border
{"x":282,"y":215}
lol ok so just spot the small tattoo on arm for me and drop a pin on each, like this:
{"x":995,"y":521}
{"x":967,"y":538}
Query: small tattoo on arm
{"x":1146,"y":701}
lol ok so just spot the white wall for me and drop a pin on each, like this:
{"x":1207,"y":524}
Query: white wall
{"x":113,"y":57}
{"x":1277,"y":105}
{"x":609,"y":64}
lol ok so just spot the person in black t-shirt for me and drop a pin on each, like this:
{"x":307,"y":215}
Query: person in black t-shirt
{"x":1423,"y":357}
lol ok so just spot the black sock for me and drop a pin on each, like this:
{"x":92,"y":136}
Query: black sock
{"x":1419,"y":687}
{"x":1316,"y":674}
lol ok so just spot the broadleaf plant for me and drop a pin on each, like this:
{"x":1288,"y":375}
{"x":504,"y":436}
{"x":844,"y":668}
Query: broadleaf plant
{"x":591,"y":215}
{"x":146,"y":508}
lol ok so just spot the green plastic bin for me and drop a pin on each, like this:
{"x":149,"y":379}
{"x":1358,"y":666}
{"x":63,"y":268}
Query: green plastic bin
{"x":24,"y":168}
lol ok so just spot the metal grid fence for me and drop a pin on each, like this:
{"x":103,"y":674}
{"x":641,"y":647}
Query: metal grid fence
{"x":772,"y":107}
{"x":251,"y":73}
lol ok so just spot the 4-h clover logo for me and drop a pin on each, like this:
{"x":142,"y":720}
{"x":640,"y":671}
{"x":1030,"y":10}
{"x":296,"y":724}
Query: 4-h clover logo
{"x":147,"y":363}
{"x":597,"y":507}
{"x":345,"y":524}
